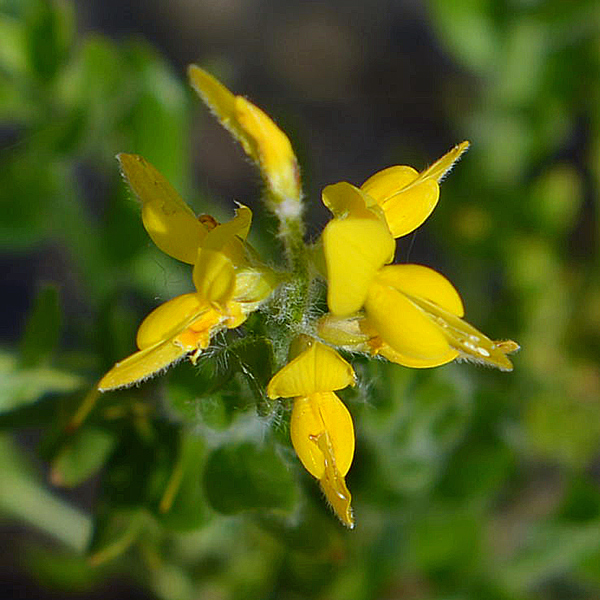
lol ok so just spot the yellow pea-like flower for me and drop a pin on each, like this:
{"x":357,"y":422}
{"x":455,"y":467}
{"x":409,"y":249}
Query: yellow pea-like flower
{"x":321,"y":427}
{"x":230,"y":281}
{"x":356,"y":244}
{"x":170,"y":332}
{"x":409,"y":314}
{"x":260,"y":137}
{"x":407,"y":197}
{"x":414,"y":315}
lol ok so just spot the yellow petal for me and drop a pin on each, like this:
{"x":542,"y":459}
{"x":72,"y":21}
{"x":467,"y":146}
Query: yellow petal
{"x":254,"y":284}
{"x":406,"y":197}
{"x":322,"y":434}
{"x":344,"y":199}
{"x":196,"y":336}
{"x":422,"y":282}
{"x":238,"y":227}
{"x":317,"y":369}
{"x":333,"y":483}
{"x":416,"y":363}
{"x":261,"y":139}
{"x":441,"y":167}
{"x":403,"y":326}
{"x":387,"y":182}
{"x":169,"y":221}
{"x":274,"y":153}
{"x":170,"y":332}
{"x":313,"y":415}
{"x":220,"y":101}
{"x":356,"y":244}
{"x":166,"y":320}
{"x":142,"y":365}
{"x":222,"y":250}
{"x":423,"y":308}
{"x":229,"y":237}
{"x":470,"y":343}
{"x":235,"y":314}
{"x":214,"y":277}
{"x":340,"y":331}
{"x":405,"y":201}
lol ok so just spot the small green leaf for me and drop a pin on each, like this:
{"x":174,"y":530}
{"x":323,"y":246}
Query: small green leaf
{"x":43,"y":328}
{"x":83,"y":455}
{"x":248,"y":476}
{"x":182,"y":506}
{"x":19,"y":387}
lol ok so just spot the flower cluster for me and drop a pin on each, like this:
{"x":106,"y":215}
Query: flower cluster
{"x":408,"y":314}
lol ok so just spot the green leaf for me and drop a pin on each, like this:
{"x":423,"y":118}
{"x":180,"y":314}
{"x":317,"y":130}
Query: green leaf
{"x":115,"y":329}
{"x":22,"y":386}
{"x":313,"y":531}
{"x":193,"y":392}
{"x":26,"y":497}
{"x":182,"y":506}
{"x":29,"y":415}
{"x":83,"y":455}
{"x":246,"y":476}
{"x":550,"y":549}
{"x":413,"y":440}
{"x":43,"y":327}
{"x":582,"y":501}
{"x":30,"y":178}
{"x":477,"y":470}
{"x":96,"y":86}
{"x":12,"y":50}
{"x":563,"y":429}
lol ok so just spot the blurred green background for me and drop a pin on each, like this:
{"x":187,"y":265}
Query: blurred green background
{"x":467,"y":483}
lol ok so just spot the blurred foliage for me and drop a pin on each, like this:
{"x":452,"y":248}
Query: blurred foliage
{"x":467,"y":484}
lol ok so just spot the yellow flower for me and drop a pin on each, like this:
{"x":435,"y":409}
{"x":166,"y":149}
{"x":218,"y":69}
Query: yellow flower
{"x":261,"y":139}
{"x":356,"y":243}
{"x":321,"y":427}
{"x":409,"y":314}
{"x":407,"y":197}
{"x":359,"y":240}
{"x":412,"y":316}
{"x":230,"y":283}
